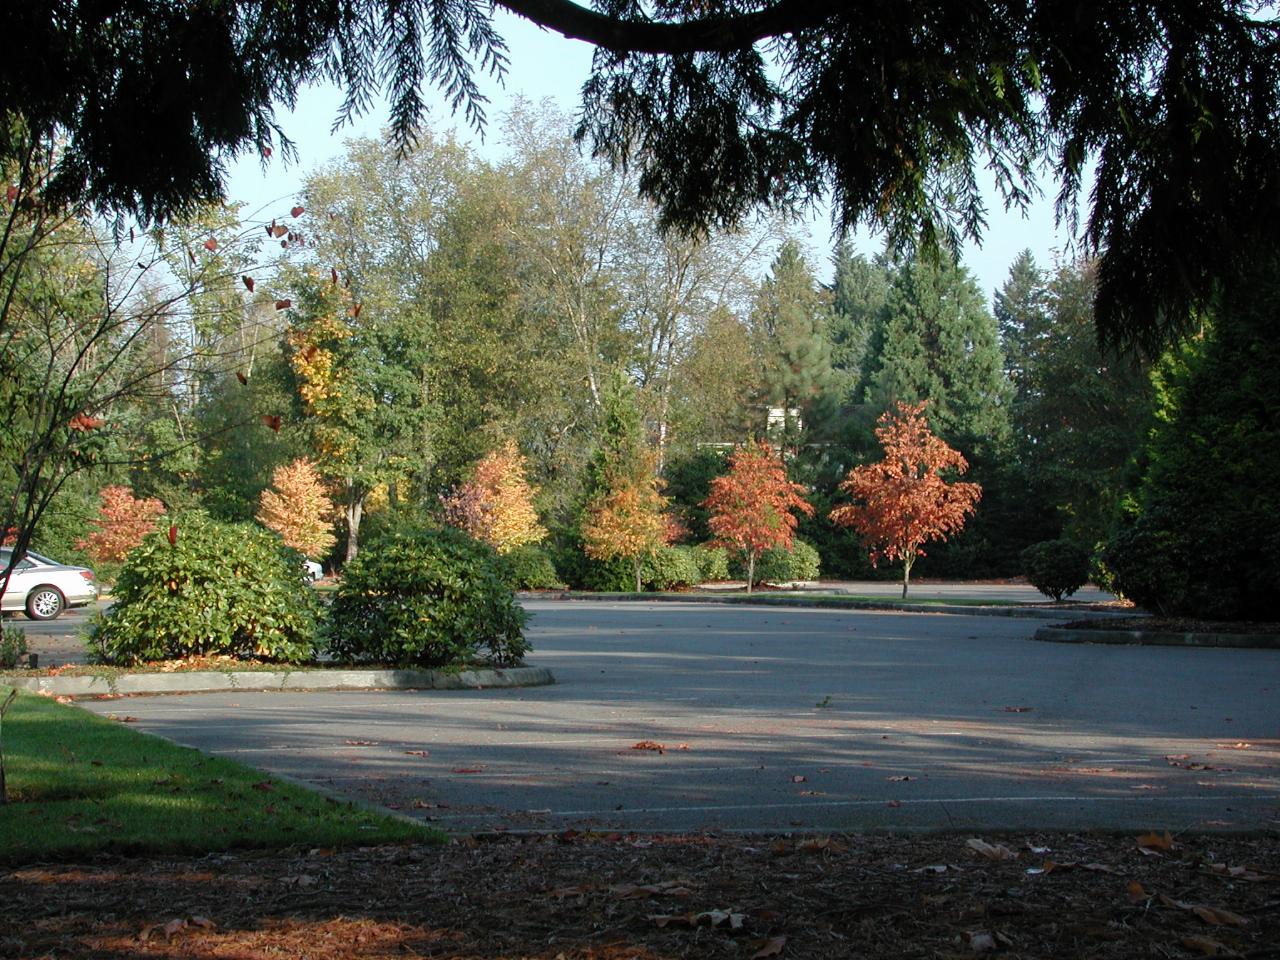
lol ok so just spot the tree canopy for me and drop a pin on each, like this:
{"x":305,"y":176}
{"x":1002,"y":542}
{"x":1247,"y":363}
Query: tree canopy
{"x":727,"y":105}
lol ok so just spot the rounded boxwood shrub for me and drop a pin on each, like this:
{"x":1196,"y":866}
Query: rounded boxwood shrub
{"x":428,"y":598}
{"x":713,"y":563}
{"x":801,"y":562}
{"x":670,"y":567}
{"x":529,"y":567}
{"x":219,"y":588}
{"x":1057,"y":568}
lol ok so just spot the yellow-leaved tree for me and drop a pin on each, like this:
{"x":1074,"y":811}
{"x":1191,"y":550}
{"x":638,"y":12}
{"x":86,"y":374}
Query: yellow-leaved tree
{"x":297,"y":507}
{"x":496,"y":504}
{"x":627,"y":519}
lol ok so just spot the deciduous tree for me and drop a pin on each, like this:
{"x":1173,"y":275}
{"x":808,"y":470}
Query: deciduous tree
{"x":905,"y":501}
{"x":122,"y":522}
{"x":496,"y":504}
{"x":627,"y":519}
{"x":297,"y":507}
{"x":753,"y":507}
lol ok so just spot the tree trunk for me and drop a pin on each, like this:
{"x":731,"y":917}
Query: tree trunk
{"x":751,"y":569}
{"x":637,"y":563}
{"x":354,"y":512}
{"x":906,"y":576}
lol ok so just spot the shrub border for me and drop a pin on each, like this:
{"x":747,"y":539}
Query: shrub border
{"x":1159,"y":638}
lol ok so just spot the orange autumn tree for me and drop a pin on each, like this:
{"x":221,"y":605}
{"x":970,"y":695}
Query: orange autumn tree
{"x":496,"y":504}
{"x":297,"y":507}
{"x":904,"y":501}
{"x":753,"y":506}
{"x":627,"y":519}
{"x":122,"y":522}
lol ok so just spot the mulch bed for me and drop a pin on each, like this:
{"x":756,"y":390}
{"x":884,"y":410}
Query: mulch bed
{"x":1173,"y":625}
{"x":583,"y":897}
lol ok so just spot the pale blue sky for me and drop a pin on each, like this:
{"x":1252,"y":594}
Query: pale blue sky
{"x":546,"y":65}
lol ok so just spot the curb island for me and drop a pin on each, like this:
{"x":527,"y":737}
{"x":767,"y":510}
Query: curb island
{"x":209,"y":681}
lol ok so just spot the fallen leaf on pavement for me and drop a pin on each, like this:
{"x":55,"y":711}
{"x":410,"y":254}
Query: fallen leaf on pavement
{"x":991,"y":851}
{"x":902,"y":779}
{"x":772,"y":947}
{"x":648,"y":745}
{"x":798,"y":779}
{"x":468,"y":770}
{"x":1219,"y":917}
{"x":1206,"y":947}
{"x":417,"y":753}
{"x":1155,"y":841}
{"x":361,"y":743}
{"x":1018,"y":709}
{"x":1136,"y":893}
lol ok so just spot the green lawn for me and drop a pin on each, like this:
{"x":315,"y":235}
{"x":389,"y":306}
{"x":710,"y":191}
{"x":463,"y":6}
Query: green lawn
{"x":80,"y":784}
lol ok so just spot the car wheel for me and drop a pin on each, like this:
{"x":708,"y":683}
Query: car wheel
{"x":44,"y":603}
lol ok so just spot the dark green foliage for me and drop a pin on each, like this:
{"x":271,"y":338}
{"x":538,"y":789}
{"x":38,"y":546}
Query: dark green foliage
{"x":858,"y":294}
{"x":671,"y":568}
{"x":789,"y":326}
{"x":800,"y":563}
{"x":937,"y":342}
{"x":688,"y":484}
{"x":426,"y":598}
{"x":1203,"y":534}
{"x":713,"y":563}
{"x":529,"y":567}
{"x":220,"y":588}
{"x":1057,"y":568}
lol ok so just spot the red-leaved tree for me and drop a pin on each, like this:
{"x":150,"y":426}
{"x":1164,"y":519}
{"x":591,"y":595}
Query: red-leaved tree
{"x":122,"y":522}
{"x":297,"y":507}
{"x":753,"y":507}
{"x":904,"y":501}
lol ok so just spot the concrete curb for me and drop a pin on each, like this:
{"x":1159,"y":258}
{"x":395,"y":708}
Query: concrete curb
{"x":208,"y":681}
{"x":1157,"y":638}
{"x":834,"y":603}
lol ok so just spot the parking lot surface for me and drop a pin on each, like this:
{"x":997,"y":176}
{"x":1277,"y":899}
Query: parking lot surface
{"x":673,"y":717}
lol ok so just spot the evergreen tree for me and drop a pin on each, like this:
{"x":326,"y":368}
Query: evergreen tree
{"x":1022,"y":316}
{"x":858,"y":294}
{"x":937,"y":342}
{"x":1203,"y":530}
{"x":789,"y":322}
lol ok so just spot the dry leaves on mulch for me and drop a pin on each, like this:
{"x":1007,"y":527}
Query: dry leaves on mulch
{"x":581,"y":897}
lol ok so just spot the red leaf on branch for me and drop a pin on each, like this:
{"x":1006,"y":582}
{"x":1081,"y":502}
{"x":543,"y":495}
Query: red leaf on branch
{"x":333,"y":276}
{"x":173,"y":535}
{"x":297,"y":212}
{"x":11,"y":194}
{"x":266,"y":153}
{"x":211,"y":244}
{"x":272,"y":420}
{"x":278,"y":230}
{"x":355,"y":311}
{"x":248,"y":283}
{"x":244,"y":381}
{"x":83,"y":423}
{"x":284,"y":304}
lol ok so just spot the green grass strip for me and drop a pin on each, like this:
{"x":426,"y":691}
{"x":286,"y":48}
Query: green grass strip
{"x":80,"y":784}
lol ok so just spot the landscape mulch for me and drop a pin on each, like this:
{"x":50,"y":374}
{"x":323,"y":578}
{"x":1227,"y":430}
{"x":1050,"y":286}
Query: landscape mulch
{"x":590,"y":897}
{"x":1175,"y":625}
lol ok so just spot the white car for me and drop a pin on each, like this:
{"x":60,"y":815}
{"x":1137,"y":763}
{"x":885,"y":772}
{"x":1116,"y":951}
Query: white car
{"x":42,"y":588}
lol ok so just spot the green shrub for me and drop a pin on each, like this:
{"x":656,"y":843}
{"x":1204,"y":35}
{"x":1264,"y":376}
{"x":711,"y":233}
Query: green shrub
{"x":713,"y":563}
{"x":784,"y":566}
{"x":220,"y":588}
{"x":1057,"y":568}
{"x":422,"y":597}
{"x":13,"y":646}
{"x":670,"y":567}
{"x":529,"y":567}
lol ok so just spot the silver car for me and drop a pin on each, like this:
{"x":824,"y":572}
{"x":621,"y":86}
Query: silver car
{"x":42,"y":588}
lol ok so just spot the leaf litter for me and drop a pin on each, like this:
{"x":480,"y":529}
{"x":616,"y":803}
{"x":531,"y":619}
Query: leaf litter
{"x":609,"y":896}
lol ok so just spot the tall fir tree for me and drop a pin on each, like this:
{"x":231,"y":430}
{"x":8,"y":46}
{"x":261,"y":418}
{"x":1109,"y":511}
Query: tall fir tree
{"x":859,"y":290}
{"x":789,"y":323}
{"x":938,"y":342}
{"x":1022,"y":316}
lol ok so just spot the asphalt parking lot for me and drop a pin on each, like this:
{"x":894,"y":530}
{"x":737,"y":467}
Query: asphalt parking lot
{"x":673,"y":717}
